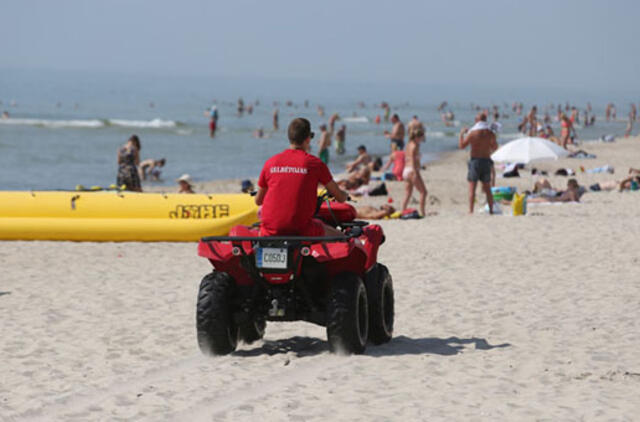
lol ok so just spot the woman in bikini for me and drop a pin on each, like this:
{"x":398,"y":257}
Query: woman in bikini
{"x":128,"y":161}
{"x":411,"y":172}
{"x":567,"y":128}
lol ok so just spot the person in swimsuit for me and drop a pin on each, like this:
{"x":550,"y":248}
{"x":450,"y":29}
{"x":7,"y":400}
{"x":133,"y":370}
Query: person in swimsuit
{"x":397,"y":132}
{"x":363,"y":159}
{"x":128,"y":160}
{"x":341,"y":136}
{"x":411,"y":172}
{"x":368,"y":212}
{"x":397,"y":158}
{"x":567,"y":129}
{"x":324,"y":142}
{"x":483,"y":143}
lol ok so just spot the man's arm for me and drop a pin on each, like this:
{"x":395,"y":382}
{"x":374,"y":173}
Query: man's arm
{"x":463,"y":140}
{"x":260,"y":195}
{"x":355,"y":163}
{"x":335,"y":191}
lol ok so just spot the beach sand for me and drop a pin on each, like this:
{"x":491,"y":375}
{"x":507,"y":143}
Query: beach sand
{"x":497,"y":318}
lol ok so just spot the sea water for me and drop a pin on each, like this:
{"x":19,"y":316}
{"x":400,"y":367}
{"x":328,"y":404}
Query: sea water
{"x":61,"y":133}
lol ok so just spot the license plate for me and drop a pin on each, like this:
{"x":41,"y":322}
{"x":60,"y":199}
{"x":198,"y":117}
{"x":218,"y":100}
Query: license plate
{"x":272,"y":258}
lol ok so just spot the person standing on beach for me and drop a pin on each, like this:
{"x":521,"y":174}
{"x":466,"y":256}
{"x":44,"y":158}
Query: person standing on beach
{"x":567,"y":131}
{"x":483,"y":143}
{"x":411,"y":172}
{"x":397,"y":132}
{"x":324,"y":142}
{"x":128,"y":161}
{"x":275,"y":120}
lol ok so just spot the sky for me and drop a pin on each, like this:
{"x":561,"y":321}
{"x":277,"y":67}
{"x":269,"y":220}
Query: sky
{"x":582,"y":46}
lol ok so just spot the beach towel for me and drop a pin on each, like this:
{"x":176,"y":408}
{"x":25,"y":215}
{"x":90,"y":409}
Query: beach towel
{"x":494,"y":127}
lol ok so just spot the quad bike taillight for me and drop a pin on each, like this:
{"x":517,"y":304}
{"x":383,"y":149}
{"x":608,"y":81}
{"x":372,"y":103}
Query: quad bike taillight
{"x":235,"y":251}
{"x":305,"y":251}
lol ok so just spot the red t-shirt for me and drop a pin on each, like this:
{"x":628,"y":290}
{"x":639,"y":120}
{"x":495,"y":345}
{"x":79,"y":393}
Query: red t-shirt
{"x":291,"y":179}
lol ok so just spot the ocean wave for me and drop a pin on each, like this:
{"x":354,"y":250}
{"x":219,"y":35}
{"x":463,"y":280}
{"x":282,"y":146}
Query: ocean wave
{"x":355,"y":119}
{"x":435,"y":134}
{"x":154,"y":124}
{"x":92,"y":123}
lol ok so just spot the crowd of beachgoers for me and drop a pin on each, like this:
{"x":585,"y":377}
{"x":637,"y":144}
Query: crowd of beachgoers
{"x":370,"y":175}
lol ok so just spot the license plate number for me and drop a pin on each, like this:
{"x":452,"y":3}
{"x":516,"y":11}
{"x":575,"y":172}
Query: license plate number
{"x":273,"y":258}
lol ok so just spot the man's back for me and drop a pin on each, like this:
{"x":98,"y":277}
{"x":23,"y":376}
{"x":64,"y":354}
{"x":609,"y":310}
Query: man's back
{"x":483,"y":143}
{"x":291,"y":179}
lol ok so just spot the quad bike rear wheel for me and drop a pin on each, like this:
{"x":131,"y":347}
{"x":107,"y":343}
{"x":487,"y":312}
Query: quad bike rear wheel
{"x":252,"y":331}
{"x":381,"y":304}
{"x":347,"y":315}
{"x":217,"y":333}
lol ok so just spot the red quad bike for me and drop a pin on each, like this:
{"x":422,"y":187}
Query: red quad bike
{"x":335,"y":282}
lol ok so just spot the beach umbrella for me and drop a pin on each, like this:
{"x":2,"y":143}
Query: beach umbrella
{"x":527,"y":150}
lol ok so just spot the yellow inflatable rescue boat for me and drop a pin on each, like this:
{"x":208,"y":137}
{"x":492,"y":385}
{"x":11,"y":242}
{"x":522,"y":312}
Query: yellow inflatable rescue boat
{"x":121,"y":216}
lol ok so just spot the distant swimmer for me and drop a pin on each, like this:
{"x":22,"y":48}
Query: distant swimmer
{"x":387,"y":111}
{"x":185,"y":184}
{"x":320,"y":111}
{"x":324,"y":142}
{"x":5,"y":114}
{"x":414,"y":122}
{"x":332,"y":121}
{"x":397,"y":132}
{"x":275,"y":120}
{"x":341,"y":137}
{"x":240,"y":106}
{"x":213,"y":121}
{"x":128,"y":160}
{"x":483,"y":143}
{"x":259,"y":133}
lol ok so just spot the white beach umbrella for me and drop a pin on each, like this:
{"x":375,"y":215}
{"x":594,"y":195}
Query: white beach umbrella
{"x":526,"y":150}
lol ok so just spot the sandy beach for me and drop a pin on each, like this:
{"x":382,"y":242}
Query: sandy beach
{"x":497,"y":318}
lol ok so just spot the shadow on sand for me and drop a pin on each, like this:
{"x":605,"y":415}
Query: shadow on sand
{"x":403,"y":345}
{"x":398,"y":346}
{"x":4,"y":293}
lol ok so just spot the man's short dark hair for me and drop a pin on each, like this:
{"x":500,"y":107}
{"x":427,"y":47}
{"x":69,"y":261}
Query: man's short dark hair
{"x":299,"y":130}
{"x":362,"y":148}
{"x":395,"y":116}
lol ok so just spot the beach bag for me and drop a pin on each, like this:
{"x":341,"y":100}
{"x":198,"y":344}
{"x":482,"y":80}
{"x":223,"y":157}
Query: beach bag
{"x":519,"y":204}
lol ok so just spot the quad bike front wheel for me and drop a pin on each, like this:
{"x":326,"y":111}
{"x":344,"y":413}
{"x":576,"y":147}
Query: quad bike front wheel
{"x":381,"y":304}
{"x":347,"y":315}
{"x":217,"y":333}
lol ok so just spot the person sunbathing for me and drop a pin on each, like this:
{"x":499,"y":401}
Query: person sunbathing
{"x":571,"y":194}
{"x":621,"y":185}
{"x":372,"y":213}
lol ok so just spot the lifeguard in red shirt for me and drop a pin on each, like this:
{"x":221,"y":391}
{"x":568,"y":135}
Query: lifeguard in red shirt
{"x":288,"y":186}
